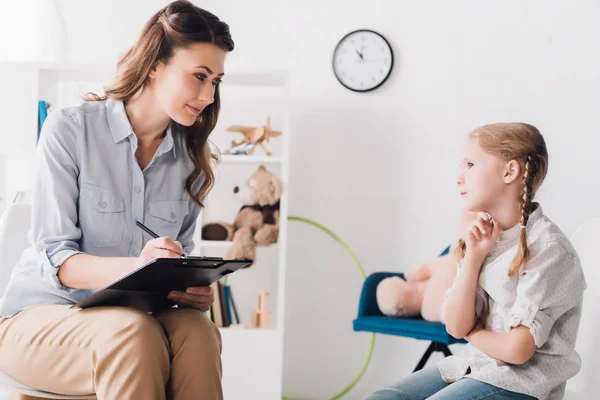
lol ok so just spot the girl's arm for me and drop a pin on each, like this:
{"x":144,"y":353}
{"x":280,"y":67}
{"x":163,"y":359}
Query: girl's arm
{"x":514,"y":347}
{"x":550,"y":288}
{"x":459,"y":314}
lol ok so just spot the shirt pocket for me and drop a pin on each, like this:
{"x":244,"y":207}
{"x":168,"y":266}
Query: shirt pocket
{"x":101,"y":216}
{"x":167,"y":217}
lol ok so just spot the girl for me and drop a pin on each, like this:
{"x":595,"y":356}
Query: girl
{"x":138,"y":153}
{"x":518,"y":291}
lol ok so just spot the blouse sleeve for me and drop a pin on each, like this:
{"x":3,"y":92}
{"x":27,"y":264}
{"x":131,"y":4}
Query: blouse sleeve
{"x":550,"y":284}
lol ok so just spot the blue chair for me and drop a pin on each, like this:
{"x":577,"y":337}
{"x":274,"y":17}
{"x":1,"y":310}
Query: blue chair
{"x":370,"y":319}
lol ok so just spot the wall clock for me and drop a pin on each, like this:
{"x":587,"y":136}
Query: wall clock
{"x":363,"y":60}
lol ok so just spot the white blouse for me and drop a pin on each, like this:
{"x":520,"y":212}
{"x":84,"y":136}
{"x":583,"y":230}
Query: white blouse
{"x":546,"y":297}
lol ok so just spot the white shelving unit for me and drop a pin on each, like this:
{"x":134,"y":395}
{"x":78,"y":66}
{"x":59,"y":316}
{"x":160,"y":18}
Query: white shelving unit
{"x":252,"y":358}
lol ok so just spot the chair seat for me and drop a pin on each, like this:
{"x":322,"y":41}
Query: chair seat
{"x":409,"y":327}
{"x":10,"y":384}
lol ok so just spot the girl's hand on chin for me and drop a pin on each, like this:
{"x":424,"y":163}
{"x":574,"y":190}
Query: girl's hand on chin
{"x":481,"y":237}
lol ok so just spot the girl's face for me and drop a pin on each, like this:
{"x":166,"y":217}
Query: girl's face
{"x":482,"y":179}
{"x":186,"y":84}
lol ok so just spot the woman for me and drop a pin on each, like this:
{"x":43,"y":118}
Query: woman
{"x":138,"y":153}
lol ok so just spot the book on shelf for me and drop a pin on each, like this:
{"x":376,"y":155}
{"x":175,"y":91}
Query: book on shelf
{"x":223,"y":311}
{"x":43,"y":109}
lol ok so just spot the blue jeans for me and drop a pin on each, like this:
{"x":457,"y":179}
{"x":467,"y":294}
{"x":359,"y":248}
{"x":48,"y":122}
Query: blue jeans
{"x":428,"y":384}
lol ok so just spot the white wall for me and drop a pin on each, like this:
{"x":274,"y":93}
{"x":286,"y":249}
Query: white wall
{"x":379,"y":168}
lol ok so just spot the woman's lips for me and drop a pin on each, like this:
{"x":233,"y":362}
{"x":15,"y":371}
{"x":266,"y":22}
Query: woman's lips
{"x":194,"y":109}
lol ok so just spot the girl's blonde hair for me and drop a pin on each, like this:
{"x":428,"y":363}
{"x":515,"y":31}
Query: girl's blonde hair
{"x":178,"y":25}
{"x":524,"y":143}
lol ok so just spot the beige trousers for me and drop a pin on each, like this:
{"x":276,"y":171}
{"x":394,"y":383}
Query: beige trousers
{"x":116,"y":352}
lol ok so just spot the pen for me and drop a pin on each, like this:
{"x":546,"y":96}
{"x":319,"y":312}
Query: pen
{"x":150,"y":232}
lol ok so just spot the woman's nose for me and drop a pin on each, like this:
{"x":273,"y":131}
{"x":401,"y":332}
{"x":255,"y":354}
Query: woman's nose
{"x":207,"y":94}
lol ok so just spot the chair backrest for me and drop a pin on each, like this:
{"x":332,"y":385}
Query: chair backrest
{"x":14,"y":225}
{"x":586,"y":241}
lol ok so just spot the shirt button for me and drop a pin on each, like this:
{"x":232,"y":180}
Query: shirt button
{"x":138,"y":189}
{"x":173,"y":215}
{"x":102,"y":204}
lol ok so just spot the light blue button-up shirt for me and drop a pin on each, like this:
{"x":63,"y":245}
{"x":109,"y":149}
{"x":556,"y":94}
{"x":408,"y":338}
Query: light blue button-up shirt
{"x":88,"y":192}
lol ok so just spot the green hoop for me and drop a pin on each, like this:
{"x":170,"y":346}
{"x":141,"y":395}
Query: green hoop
{"x":363,"y":277}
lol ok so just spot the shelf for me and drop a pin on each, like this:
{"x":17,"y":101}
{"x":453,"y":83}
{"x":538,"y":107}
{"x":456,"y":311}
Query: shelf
{"x":231,"y":159}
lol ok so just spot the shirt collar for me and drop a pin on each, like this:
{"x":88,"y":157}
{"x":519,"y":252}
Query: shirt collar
{"x":168,"y":143}
{"x":120,"y":127}
{"x":515,"y":231}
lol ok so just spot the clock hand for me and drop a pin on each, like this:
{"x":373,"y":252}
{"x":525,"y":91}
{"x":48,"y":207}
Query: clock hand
{"x":360,"y":54}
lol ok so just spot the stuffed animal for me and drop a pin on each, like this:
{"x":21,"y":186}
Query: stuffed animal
{"x":423,"y":291}
{"x":257,"y":222}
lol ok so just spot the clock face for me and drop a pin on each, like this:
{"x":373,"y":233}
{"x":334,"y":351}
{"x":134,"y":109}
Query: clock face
{"x":363,"y":60}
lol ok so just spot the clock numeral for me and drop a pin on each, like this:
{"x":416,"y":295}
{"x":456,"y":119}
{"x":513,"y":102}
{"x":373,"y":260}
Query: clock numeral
{"x":362,"y":83}
{"x":381,"y":72}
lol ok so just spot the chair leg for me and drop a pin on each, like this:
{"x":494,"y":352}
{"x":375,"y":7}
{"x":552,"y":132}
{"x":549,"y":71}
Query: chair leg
{"x":434,"y":346}
{"x":445,"y":350}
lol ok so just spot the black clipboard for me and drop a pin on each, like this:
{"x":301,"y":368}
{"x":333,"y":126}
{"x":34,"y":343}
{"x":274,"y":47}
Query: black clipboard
{"x":147,"y":287}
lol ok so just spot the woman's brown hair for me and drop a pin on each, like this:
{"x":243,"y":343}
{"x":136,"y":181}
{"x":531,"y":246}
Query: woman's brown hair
{"x":524,"y":143}
{"x":178,"y":25}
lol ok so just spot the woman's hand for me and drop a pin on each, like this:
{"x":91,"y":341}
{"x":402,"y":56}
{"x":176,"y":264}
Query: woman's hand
{"x":481,"y":237}
{"x":162,"y":247}
{"x":200,"y":298}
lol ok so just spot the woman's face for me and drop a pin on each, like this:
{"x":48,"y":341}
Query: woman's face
{"x":186,"y":84}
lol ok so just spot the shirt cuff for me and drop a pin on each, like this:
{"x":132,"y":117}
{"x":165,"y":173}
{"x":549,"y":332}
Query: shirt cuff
{"x":188,"y":248}
{"x":529,"y":315}
{"x":50,"y":266}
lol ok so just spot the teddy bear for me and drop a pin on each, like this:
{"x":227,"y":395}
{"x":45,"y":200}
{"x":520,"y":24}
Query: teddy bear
{"x":423,"y":290}
{"x":257,"y":221}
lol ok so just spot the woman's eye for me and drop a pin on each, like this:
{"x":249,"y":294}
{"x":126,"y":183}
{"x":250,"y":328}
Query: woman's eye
{"x":201,"y":77}
{"x":216,"y":82}
{"x":469,"y":164}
